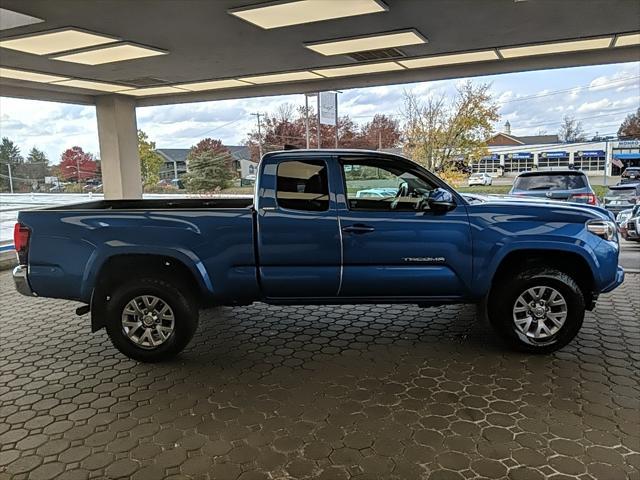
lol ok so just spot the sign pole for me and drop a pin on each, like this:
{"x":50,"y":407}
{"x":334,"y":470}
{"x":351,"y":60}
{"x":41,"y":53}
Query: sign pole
{"x":318,"y":118}
{"x":336,"y":94}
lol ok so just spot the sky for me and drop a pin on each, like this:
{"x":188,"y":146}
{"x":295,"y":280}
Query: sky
{"x":599,"y":97}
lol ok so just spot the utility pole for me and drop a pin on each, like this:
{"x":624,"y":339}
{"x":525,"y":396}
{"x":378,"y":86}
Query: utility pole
{"x":379,"y":139}
{"x":10,"y":178}
{"x":306,"y":118}
{"x":78,"y":167}
{"x":258,"y":115}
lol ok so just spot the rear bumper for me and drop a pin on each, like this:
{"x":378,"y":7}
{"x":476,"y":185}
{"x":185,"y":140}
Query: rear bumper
{"x":617,"y":282}
{"x":21,"y":281}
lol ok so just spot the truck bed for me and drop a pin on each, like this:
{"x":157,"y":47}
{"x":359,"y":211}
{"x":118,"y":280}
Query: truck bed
{"x":159,"y":204}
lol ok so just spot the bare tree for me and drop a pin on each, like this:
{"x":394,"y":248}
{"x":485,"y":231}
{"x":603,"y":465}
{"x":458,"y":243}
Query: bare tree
{"x":437,"y":132}
{"x":571,"y":130}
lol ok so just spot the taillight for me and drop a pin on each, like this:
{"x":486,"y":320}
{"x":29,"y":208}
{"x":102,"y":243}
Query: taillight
{"x":589,"y":198}
{"x":21,"y":241}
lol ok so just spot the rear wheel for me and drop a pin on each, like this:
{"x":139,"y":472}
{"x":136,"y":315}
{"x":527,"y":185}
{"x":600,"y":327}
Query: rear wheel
{"x":539,"y":310}
{"x":151,"y":319}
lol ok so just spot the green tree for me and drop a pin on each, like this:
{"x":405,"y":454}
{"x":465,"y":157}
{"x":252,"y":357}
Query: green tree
{"x":210,"y":167}
{"x":9,"y":152}
{"x":36,"y":165}
{"x":150,"y":161}
{"x":9,"y":158}
{"x":439,"y":132}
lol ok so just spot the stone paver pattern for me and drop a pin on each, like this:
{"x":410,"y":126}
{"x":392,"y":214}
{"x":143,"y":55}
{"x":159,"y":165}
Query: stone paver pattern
{"x":336,"y":392}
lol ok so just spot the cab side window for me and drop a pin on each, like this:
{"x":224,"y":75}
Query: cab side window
{"x":378,"y":185}
{"x":303,"y":185}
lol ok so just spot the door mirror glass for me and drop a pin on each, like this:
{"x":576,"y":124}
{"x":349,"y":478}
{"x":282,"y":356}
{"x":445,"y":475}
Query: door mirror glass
{"x":441,"y":200}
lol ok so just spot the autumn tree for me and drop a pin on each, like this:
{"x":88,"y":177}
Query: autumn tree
{"x":630,"y":127}
{"x":571,"y":130}
{"x":381,"y":132}
{"x":438,"y":131}
{"x":210,"y":166}
{"x":150,"y":161}
{"x":287,"y":127}
{"x":77,"y":165}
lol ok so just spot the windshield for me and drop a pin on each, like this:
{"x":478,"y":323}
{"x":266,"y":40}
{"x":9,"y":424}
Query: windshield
{"x":621,"y":192}
{"x":565,"y":181}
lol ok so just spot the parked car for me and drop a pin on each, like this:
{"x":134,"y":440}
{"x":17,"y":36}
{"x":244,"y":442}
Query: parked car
{"x":565,"y":185}
{"x":144,"y":267}
{"x":92,"y":187}
{"x":480,"y":179}
{"x":624,"y":215}
{"x":621,"y":197}
{"x":630,"y":175}
{"x":377,"y":193}
{"x":628,"y":224}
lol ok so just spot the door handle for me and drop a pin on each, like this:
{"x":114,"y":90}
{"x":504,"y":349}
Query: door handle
{"x":358,"y":229}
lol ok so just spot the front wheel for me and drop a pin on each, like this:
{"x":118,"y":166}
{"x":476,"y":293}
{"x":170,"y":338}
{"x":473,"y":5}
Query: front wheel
{"x":151,"y":319}
{"x":539,"y":310}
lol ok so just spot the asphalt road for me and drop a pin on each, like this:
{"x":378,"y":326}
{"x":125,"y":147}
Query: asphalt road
{"x":630,"y":256}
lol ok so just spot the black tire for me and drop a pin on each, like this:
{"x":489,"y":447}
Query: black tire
{"x":505,"y":294}
{"x":182,"y":305}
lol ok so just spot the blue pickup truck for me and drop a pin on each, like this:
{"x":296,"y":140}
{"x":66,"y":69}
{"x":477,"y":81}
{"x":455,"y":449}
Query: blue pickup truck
{"x":144,"y":268}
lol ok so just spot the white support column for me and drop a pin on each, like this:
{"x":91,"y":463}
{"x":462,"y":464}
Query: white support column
{"x":118,"y":135}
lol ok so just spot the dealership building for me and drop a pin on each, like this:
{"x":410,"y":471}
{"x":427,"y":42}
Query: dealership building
{"x":510,"y":155}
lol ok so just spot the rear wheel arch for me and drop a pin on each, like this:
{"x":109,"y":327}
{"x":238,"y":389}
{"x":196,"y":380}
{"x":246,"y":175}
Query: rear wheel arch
{"x":120,"y":268}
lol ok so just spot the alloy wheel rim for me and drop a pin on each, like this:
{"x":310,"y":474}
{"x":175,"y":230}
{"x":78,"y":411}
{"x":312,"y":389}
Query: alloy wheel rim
{"x":148,"y":321}
{"x":540,"y":312}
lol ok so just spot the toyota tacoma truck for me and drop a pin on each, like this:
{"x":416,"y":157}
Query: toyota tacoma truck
{"x":144,"y":268}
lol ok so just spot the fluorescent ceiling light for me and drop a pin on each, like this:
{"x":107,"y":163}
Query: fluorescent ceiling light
{"x":213,"y":85}
{"x":283,"y":14}
{"x":627,"y":40}
{"x":358,"y":69}
{"x":118,"y":52}
{"x":556,"y":47}
{"x":440,"y":60}
{"x":10,"y":19}
{"x":281,"y":77}
{"x":373,"y":42}
{"x":142,"y":92}
{"x":55,"y":41}
{"x":91,"y":85}
{"x":29,"y":76}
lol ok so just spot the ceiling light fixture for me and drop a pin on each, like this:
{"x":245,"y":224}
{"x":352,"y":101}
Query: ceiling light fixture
{"x":143,"y":92}
{"x":213,"y":85}
{"x":556,"y":47}
{"x":282,"y":14}
{"x":358,"y":69}
{"x":54,"y":41}
{"x":91,"y":85}
{"x":29,"y":76}
{"x":456,"y":58}
{"x":369,"y":42}
{"x":627,"y":40}
{"x":117,"y":52}
{"x":281,"y":77}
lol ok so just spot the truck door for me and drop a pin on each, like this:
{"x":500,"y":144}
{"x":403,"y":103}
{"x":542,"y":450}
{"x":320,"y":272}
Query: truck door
{"x":392,"y":246}
{"x":298,"y":237}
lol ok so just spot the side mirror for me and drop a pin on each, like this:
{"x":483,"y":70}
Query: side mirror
{"x":441,"y":200}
